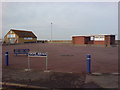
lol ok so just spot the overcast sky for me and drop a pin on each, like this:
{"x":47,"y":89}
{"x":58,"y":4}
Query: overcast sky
{"x":68,"y":18}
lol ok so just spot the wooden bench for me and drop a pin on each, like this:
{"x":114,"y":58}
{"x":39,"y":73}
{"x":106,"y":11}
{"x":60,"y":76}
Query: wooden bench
{"x":21,"y":51}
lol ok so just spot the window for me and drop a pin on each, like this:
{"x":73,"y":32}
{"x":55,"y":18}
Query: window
{"x":91,"y":38}
{"x":28,"y":38}
{"x":11,"y":36}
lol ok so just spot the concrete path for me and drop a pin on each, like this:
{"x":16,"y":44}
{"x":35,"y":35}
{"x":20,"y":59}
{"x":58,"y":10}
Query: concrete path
{"x":101,"y":81}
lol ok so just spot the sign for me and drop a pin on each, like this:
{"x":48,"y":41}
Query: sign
{"x":99,"y":38}
{"x":37,"y":54}
{"x":21,"y":51}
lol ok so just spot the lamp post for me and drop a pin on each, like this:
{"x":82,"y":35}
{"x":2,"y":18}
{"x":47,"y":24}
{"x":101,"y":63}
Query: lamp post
{"x":51,"y":31}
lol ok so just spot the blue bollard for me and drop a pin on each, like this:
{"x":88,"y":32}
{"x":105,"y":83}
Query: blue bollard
{"x":88,"y":63}
{"x":6,"y":59}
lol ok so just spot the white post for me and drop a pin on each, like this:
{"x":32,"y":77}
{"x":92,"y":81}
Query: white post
{"x":28,"y":63}
{"x":46,"y":61}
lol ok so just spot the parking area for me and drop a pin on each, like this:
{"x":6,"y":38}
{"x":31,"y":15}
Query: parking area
{"x":63,"y":57}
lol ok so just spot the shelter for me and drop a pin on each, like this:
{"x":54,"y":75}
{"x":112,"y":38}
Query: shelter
{"x":101,"y":39}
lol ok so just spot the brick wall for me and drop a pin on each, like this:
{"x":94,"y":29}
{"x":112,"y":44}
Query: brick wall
{"x":108,"y":40}
{"x":99,"y":42}
{"x":78,"y":40}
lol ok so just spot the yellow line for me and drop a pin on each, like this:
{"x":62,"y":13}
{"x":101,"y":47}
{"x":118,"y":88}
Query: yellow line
{"x":20,"y":85}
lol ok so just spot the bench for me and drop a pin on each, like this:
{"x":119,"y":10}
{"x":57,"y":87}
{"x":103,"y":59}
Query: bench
{"x":21,"y":51}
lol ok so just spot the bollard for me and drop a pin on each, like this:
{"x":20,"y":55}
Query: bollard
{"x":88,"y":63}
{"x":6,"y":59}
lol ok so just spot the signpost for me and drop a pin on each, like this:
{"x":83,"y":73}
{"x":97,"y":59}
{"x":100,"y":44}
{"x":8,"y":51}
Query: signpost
{"x":37,"y":54}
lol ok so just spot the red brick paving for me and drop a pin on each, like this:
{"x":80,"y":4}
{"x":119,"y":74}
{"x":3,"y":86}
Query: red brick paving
{"x":65,"y":57}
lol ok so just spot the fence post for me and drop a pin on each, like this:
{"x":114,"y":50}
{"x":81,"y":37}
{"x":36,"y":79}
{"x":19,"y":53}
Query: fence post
{"x":6,"y":59}
{"x":88,"y":60}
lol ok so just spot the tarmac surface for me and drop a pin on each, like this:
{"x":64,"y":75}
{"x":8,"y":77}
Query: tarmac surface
{"x":46,"y":80}
{"x":43,"y":79}
{"x":64,"y":57}
{"x":67,"y":65}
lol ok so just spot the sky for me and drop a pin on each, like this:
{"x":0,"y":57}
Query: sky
{"x":68,"y":18}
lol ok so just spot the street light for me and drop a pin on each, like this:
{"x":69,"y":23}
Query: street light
{"x":51,"y":31}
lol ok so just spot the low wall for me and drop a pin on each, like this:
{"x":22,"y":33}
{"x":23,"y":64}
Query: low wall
{"x":61,"y":41}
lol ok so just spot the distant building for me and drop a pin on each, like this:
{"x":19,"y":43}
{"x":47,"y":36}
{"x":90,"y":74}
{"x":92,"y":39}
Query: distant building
{"x":19,"y":36}
{"x":102,"y":39}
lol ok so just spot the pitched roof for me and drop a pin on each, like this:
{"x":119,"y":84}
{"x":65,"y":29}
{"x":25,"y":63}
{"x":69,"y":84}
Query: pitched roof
{"x":22,"y":33}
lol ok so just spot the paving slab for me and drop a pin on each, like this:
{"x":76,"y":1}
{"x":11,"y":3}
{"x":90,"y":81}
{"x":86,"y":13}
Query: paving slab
{"x":101,"y":81}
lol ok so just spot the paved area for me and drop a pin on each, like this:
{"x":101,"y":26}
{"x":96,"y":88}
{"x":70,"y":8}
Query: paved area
{"x":102,"y":81}
{"x":62,"y":60}
{"x":65,"y":57}
{"x":44,"y":79}
{"x":41,"y":79}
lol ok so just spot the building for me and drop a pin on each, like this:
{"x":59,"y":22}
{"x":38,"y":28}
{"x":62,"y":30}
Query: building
{"x":101,"y":39}
{"x":19,"y":36}
{"x":80,"y":39}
